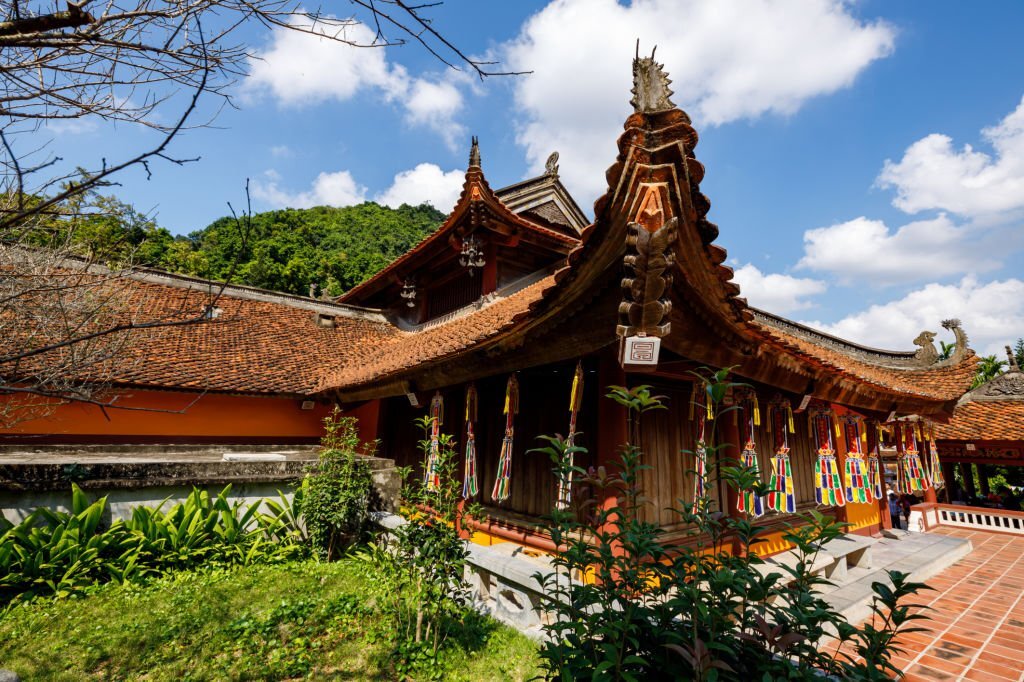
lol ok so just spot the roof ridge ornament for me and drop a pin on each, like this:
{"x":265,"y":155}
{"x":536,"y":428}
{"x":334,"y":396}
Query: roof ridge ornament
{"x":551,"y":165}
{"x":651,"y":93}
{"x":474,"y":153}
{"x":1013,"y":366}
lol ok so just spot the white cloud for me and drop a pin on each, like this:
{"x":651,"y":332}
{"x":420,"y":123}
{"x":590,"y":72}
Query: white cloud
{"x":302,"y":69}
{"x":729,"y":59}
{"x":426,"y":183}
{"x":781,"y":294}
{"x":435,"y":106}
{"x":863,"y":251}
{"x":328,"y":189}
{"x":992,"y":315}
{"x":933,"y":175}
{"x":281,"y":151}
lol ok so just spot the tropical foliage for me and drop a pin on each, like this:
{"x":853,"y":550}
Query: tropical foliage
{"x":704,"y":609}
{"x":989,"y":367}
{"x":61,"y":553}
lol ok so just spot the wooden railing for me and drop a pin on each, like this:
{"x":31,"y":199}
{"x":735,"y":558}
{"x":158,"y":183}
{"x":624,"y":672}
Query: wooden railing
{"x":924,"y":517}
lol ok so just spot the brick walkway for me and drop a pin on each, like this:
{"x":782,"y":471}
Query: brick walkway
{"x":975,"y":629}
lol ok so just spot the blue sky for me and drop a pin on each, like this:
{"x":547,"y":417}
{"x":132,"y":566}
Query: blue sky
{"x":835,"y":136}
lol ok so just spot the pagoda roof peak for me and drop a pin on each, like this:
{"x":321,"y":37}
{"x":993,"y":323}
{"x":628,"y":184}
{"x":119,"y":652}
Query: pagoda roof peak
{"x":474,"y":153}
{"x":651,"y":92}
{"x":1011,"y":361}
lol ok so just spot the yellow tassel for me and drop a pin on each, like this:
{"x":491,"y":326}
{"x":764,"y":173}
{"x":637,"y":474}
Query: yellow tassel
{"x":863,"y":436}
{"x":471,"y":403}
{"x":577,"y":388}
{"x":789,"y":413}
{"x":835,"y":420}
{"x":710,"y":408}
{"x":512,"y":395}
{"x":757,"y":412}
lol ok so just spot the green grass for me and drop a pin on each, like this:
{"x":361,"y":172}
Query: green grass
{"x":303,"y":620}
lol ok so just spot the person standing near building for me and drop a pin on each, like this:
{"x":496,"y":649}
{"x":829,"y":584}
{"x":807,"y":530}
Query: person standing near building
{"x":895,"y":510}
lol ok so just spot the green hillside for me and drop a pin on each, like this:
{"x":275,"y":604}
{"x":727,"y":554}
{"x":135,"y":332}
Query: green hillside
{"x":286,"y":250}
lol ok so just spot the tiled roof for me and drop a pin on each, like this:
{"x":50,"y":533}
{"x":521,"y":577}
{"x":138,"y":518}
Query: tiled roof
{"x":438,"y":342}
{"x":936,"y":382}
{"x":992,"y":411}
{"x":259,"y":342}
{"x":988,"y":420}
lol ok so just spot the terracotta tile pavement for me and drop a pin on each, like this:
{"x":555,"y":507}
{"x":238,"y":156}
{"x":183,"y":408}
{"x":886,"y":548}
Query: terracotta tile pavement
{"x":975,"y":629}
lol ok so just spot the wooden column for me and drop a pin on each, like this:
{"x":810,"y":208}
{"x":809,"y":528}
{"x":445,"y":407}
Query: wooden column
{"x":983,"y":479}
{"x":929,"y":494}
{"x":883,"y":504}
{"x":612,"y":422}
{"x":949,"y":473}
{"x":967,"y":473}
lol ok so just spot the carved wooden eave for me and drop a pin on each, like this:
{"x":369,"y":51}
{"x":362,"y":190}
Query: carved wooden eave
{"x":478,"y":210}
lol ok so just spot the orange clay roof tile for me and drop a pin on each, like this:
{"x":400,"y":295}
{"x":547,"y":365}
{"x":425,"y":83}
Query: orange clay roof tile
{"x":985,"y":420}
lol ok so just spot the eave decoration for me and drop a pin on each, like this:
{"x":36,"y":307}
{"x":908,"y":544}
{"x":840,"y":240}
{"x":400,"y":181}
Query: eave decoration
{"x":782,"y":497}
{"x":565,"y":482}
{"x":702,"y":408}
{"x":432,"y":472}
{"x":874,"y":466}
{"x":749,"y":416}
{"x":828,"y":483}
{"x":910,"y":477}
{"x":470,"y":485}
{"x":858,"y":479}
{"x":938,"y":481}
{"x":500,"y":492}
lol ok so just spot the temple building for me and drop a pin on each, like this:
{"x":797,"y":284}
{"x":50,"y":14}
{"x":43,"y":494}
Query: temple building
{"x":987,"y":429}
{"x":510,"y":321}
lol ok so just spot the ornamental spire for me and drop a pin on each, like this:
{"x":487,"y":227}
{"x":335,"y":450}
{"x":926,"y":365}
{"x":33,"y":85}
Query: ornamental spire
{"x":651,"y":93}
{"x":1013,"y":366}
{"x":474,"y":154}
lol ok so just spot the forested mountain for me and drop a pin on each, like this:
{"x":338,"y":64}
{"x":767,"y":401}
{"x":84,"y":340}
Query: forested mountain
{"x":288,"y":249}
{"x":284,"y":250}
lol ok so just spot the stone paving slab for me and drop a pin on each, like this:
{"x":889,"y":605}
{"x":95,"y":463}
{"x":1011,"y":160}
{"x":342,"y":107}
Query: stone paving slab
{"x":975,"y":626}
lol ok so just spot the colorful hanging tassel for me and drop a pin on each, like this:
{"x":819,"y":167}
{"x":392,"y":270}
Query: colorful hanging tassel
{"x":782,"y":497}
{"x":470,"y":489}
{"x":828,"y":484}
{"x":748,"y":501}
{"x":938,"y":481}
{"x":575,"y":400}
{"x":503,"y":479}
{"x":915,"y":478}
{"x":858,"y":484}
{"x":700,"y":465}
{"x":874,"y":467}
{"x":432,"y":472}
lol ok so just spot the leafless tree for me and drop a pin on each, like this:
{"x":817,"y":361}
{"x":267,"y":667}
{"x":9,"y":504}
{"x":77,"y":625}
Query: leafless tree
{"x":150,"y":63}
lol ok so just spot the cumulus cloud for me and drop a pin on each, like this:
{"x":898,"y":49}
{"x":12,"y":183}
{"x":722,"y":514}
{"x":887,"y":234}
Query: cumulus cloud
{"x":863,"y":251}
{"x":992,"y":314}
{"x":934,"y":175}
{"x":776,"y":293}
{"x":328,"y":189}
{"x":426,"y":183}
{"x":303,"y":68}
{"x":729,"y":59}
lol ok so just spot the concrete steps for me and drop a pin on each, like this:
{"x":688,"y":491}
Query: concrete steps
{"x":922,"y":555}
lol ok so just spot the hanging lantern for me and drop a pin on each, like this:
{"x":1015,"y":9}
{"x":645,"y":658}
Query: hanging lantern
{"x":408,"y":293}
{"x":472,"y":254}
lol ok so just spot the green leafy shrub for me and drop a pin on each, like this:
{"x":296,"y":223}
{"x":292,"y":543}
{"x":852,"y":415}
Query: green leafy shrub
{"x":337,"y":492}
{"x":419,"y":572}
{"x":700,"y":609}
{"x":60,"y":553}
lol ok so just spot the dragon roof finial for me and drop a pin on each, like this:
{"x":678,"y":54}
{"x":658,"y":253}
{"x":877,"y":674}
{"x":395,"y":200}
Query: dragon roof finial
{"x":1013,"y":366}
{"x":474,"y":153}
{"x":650,"y":85}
